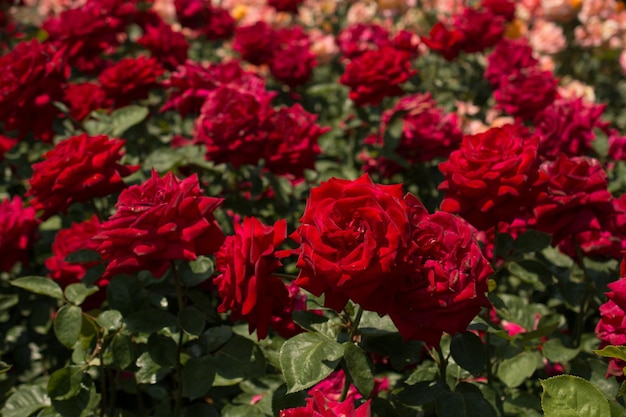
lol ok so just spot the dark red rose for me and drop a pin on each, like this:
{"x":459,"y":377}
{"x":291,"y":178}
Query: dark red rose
{"x":213,"y":22}
{"x":84,"y":98}
{"x":567,"y":126}
{"x":525,"y":93}
{"x":289,"y":6}
{"x":447,"y":285}
{"x":509,"y":57}
{"x":361,"y":37}
{"x":377,"y":74}
{"x":320,"y":406}
{"x":168,"y":47}
{"x":292,"y":62}
{"x":230,"y":125}
{"x":291,"y":145}
{"x":129,"y":80}
{"x":247,"y":285}
{"x":255,"y":43}
{"x":32,"y":76}
{"x":78,"y":169}
{"x":220,"y":26}
{"x":6,"y":143}
{"x":481,"y":29}
{"x":577,"y":198}
{"x":491,"y":177}
{"x":406,"y":41}
{"x":18,"y":226}
{"x":611,"y":329}
{"x":448,"y":42}
{"x":504,"y":8}
{"x":617,"y":145}
{"x":161,"y":220}
{"x":352,"y":237}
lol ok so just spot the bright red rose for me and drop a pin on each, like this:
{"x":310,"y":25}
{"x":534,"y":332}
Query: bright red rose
{"x":577,"y":198}
{"x":332,"y":387}
{"x":567,"y":126}
{"x":481,"y":29}
{"x":167,"y":46}
{"x":360,"y":37}
{"x":447,"y":285}
{"x":491,"y":177}
{"x":6,"y":143}
{"x":76,"y":170}
{"x":292,"y":61}
{"x":611,"y":329}
{"x":18,"y":226}
{"x":352,"y":236}
{"x":230,"y":125}
{"x":255,"y":43}
{"x":247,"y":285}
{"x":84,"y":98}
{"x":377,"y":74}
{"x":320,"y":406}
{"x":161,"y":220}
{"x":509,"y":57}
{"x":289,"y":6}
{"x":291,"y":142}
{"x":32,"y":76}
{"x":130,"y":79}
{"x":525,"y":93}
{"x":448,"y":42}
{"x":191,"y":83}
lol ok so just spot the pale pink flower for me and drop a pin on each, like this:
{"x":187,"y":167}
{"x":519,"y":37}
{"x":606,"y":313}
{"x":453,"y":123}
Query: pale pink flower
{"x":546,"y":37}
{"x":574,"y":89}
{"x":323,"y":45}
{"x":361,"y":12}
{"x":165,"y":9}
{"x":622,"y":61}
{"x":599,"y":9}
{"x":558,"y":10}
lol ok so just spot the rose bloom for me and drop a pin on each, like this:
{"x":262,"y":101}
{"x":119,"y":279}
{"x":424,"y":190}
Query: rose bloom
{"x":130,"y":79}
{"x":333,"y":384}
{"x":491,"y":177}
{"x":319,"y":406}
{"x":547,"y":37}
{"x":376,"y":75}
{"x":356,"y":39}
{"x":246,"y":263}
{"x":255,"y":43}
{"x":509,"y":56}
{"x":84,"y":98}
{"x":567,"y":126}
{"x":352,"y":236}
{"x":6,"y":143}
{"x":189,"y":86}
{"x":577,"y":198}
{"x":292,"y":62}
{"x":448,"y":42}
{"x":611,"y":329}
{"x":447,"y":284}
{"x":481,"y":29}
{"x":525,"y":93}
{"x":504,"y":8}
{"x":159,"y":221}
{"x":291,"y":141}
{"x":76,"y":170}
{"x":32,"y":76}
{"x":18,"y":226}
{"x":167,"y":46}
{"x":617,"y":145}
{"x":282,"y":322}
{"x":289,"y":6}
{"x":558,"y":10}
{"x":230,"y":125}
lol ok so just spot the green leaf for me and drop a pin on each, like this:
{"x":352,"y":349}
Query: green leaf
{"x":514,"y":371}
{"x":122,"y":351}
{"x":198,"y":376}
{"x":358,"y":369}
{"x":76,"y":293}
{"x":308,"y":358}
{"x":39,"y":285}
{"x":532,"y":241}
{"x":617,"y":352}
{"x":83,"y":255}
{"x":215,"y":337}
{"x":149,"y":371}
{"x":572,"y":396}
{"x":202,"y":265}
{"x":110,"y":320}
{"x":65,"y":382}
{"x":468,"y":352}
{"x":67,"y":325}
{"x":554,"y":351}
{"x":239,"y":358}
{"x":163,"y":350}
{"x":83,"y":404}
{"x":464,"y":403}
{"x":192,"y":320}
{"x":282,"y":401}
{"x":149,"y":320}
{"x":532,"y":272}
{"x":124,"y":118}
{"x":26,"y":400}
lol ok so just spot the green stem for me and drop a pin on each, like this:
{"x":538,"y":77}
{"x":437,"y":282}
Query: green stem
{"x":346,"y":386}
{"x":354,"y":328}
{"x":178,"y":395}
{"x":584,"y":303}
{"x":442,"y":362}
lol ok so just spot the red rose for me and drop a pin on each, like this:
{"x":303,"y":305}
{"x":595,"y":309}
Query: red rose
{"x":76,"y":170}
{"x":617,"y":145}
{"x":481,"y":29}
{"x":213,"y":22}
{"x":448,"y":283}
{"x":246,"y":284}
{"x":130,"y":79}
{"x":167,"y":46}
{"x":220,"y":26}
{"x":509,"y":57}
{"x":504,"y":8}
{"x":84,"y":98}
{"x":360,"y":37}
{"x":17,"y":232}
{"x":255,"y":43}
{"x":6,"y":143}
{"x":282,"y":322}
{"x":291,"y":142}
{"x":289,"y":6}
{"x":577,"y":199}
{"x":567,"y":126}
{"x":333,"y":385}
{"x":377,"y":74}
{"x":526,"y":92}
{"x":292,"y":62}
{"x":31,"y":79}
{"x":161,"y":220}
{"x":320,"y":406}
{"x":491,"y":177}
{"x":448,"y":42}
{"x":611,"y":329}
{"x":352,"y":236}
{"x":230,"y":125}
